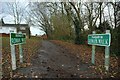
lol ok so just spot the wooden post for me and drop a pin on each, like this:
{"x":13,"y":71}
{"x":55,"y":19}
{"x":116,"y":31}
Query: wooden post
{"x":13,"y":57}
{"x":93,"y":52}
{"x":107,"y":54}
{"x":20,"y":53}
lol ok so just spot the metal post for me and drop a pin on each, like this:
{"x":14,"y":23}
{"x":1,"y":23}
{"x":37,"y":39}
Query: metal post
{"x":107,"y":54}
{"x":93,"y":51}
{"x":20,"y":53}
{"x":13,"y":57}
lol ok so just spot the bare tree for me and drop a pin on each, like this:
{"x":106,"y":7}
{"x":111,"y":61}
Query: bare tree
{"x":17,"y":10}
{"x":115,"y":7}
{"x":93,"y":13}
{"x":73,"y":11}
{"x":41,"y":17}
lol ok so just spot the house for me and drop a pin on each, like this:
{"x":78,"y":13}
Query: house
{"x":7,"y":28}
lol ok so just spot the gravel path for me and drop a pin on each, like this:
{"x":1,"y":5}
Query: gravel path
{"x":53,"y":61}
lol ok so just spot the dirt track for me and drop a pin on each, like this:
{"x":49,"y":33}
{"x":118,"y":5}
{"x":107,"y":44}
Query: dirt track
{"x":53,"y":61}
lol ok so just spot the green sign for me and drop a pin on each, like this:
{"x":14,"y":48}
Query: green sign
{"x":17,"y":38}
{"x":99,"y":39}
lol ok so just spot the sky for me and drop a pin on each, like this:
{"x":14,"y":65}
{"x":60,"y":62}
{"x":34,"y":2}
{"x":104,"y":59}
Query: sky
{"x":10,"y":19}
{"x":59,"y":0}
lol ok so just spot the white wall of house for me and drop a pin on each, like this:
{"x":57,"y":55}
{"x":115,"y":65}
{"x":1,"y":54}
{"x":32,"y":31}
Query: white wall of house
{"x":7,"y":30}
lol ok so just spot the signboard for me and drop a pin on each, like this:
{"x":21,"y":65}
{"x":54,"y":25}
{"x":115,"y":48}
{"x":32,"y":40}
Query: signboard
{"x":99,"y":39}
{"x":17,"y":38}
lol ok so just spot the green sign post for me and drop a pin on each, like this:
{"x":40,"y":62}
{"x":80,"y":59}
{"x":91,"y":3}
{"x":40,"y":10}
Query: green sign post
{"x":16,"y":39}
{"x":100,"y":40}
{"x":93,"y":52}
{"x":107,"y":53}
{"x":13,"y":58}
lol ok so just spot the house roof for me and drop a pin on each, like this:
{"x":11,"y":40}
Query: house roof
{"x":12,"y":25}
{"x":15,"y":25}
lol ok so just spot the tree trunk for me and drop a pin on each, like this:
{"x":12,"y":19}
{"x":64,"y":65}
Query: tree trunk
{"x":100,"y":14}
{"x":78,"y":38}
{"x":115,"y":11}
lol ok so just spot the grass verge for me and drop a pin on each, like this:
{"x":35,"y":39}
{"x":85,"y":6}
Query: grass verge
{"x":29,"y":50}
{"x":84,"y":52}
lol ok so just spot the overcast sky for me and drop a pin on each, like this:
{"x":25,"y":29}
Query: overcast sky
{"x":59,"y":0}
{"x":10,"y":19}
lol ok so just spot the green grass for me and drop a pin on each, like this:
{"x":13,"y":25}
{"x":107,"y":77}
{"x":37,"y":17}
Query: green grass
{"x":5,"y":42}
